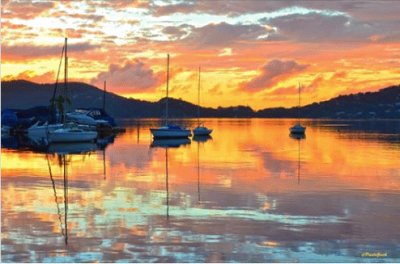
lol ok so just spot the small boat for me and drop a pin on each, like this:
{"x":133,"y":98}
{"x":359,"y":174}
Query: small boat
{"x":169,"y":130}
{"x":99,"y":115}
{"x":71,"y":135}
{"x":81,"y":118}
{"x":200,"y":130}
{"x":298,"y":128}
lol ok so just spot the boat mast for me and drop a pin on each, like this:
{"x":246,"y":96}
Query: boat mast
{"x":198,"y":101}
{"x":65,"y":78}
{"x":104,"y":96}
{"x":298,"y":112}
{"x":166,"y":101}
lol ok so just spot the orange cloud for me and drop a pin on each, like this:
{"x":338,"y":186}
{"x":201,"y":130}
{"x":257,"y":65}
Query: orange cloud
{"x":47,"y":77}
{"x":133,"y":77}
{"x":271,"y":73}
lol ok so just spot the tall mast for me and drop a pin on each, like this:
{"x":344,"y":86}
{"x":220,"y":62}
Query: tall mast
{"x":166,"y":101}
{"x":104,"y":96}
{"x":65,"y":77}
{"x":198,"y":101}
{"x":298,"y":113}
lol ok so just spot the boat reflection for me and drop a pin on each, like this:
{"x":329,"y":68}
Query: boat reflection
{"x":202,"y":138}
{"x":72,"y":148}
{"x":166,"y":144}
{"x":170,"y":143}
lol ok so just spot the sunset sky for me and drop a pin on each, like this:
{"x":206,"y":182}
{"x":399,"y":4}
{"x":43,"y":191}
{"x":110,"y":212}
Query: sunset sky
{"x":251,"y":52}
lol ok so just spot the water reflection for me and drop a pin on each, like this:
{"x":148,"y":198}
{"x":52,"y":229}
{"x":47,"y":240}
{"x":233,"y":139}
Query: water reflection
{"x":230,"y":198}
{"x":298,"y":138}
{"x":63,"y":163}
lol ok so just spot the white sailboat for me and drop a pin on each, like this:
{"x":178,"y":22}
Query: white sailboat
{"x":169,"y":130}
{"x":66,"y":133}
{"x":298,"y":128}
{"x":38,"y":130}
{"x":200,"y":130}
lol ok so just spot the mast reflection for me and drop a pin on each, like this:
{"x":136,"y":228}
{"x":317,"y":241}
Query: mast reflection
{"x":298,"y":138}
{"x":167,"y":144}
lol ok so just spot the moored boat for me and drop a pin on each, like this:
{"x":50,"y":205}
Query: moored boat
{"x":169,"y":130}
{"x":298,"y":128}
{"x":200,"y":130}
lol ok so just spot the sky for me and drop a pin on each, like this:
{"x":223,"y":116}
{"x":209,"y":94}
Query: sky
{"x":253,"y":53}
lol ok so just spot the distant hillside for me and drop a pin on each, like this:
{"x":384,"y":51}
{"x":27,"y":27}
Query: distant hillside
{"x":384,"y":103}
{"x":24,"y":94}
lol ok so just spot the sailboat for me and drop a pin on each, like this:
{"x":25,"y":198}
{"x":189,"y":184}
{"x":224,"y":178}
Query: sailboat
{"x":200,"y":130}
{"x":298,"y":128}
{"x":40,"y":130}
{"x":73,"y":133}
{"x":169,"y":130}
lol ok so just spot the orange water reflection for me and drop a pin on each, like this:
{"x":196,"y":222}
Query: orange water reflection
{"x":251,"y":173}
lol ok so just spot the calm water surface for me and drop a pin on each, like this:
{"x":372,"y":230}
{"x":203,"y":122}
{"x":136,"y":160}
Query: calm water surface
{"x":251,"y":193}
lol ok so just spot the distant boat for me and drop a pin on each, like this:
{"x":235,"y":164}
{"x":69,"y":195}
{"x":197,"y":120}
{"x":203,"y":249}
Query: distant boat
{"x":200,"y":130}
{"x":81,"y":118}
{"x":168,"y":130}
{"x":70,"y":134}
{"x":298,"y":128}
{"x":92,"y":116}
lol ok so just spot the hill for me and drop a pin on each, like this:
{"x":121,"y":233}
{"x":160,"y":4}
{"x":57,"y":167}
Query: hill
{"x":23,"y":94}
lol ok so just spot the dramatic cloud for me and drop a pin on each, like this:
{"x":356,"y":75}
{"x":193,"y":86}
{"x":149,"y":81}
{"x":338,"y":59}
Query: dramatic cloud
{"x":177,"y":32}
{"x":359,"y":9}
{"x":224,"y":34}
{"x":271,"y":73}
{"x":24,"y":9}
{"x":321,"y":28}
{"x":132,"y":77}
{"x":17,"y":52}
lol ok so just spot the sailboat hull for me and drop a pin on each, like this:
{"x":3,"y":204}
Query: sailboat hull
{"x":297,"y":129}
{"x":70,"y":135}
{"x":37,"y":130}
{"x":202,"y":131}
{"x":170,"y":133}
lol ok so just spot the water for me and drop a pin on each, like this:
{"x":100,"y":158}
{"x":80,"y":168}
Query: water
{"x":251,"y":193}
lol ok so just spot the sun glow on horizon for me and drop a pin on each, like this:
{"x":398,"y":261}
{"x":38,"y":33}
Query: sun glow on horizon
{"x":255,"y":52}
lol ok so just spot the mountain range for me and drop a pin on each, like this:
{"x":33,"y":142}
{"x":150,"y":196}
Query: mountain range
{"x":22,"y":94}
